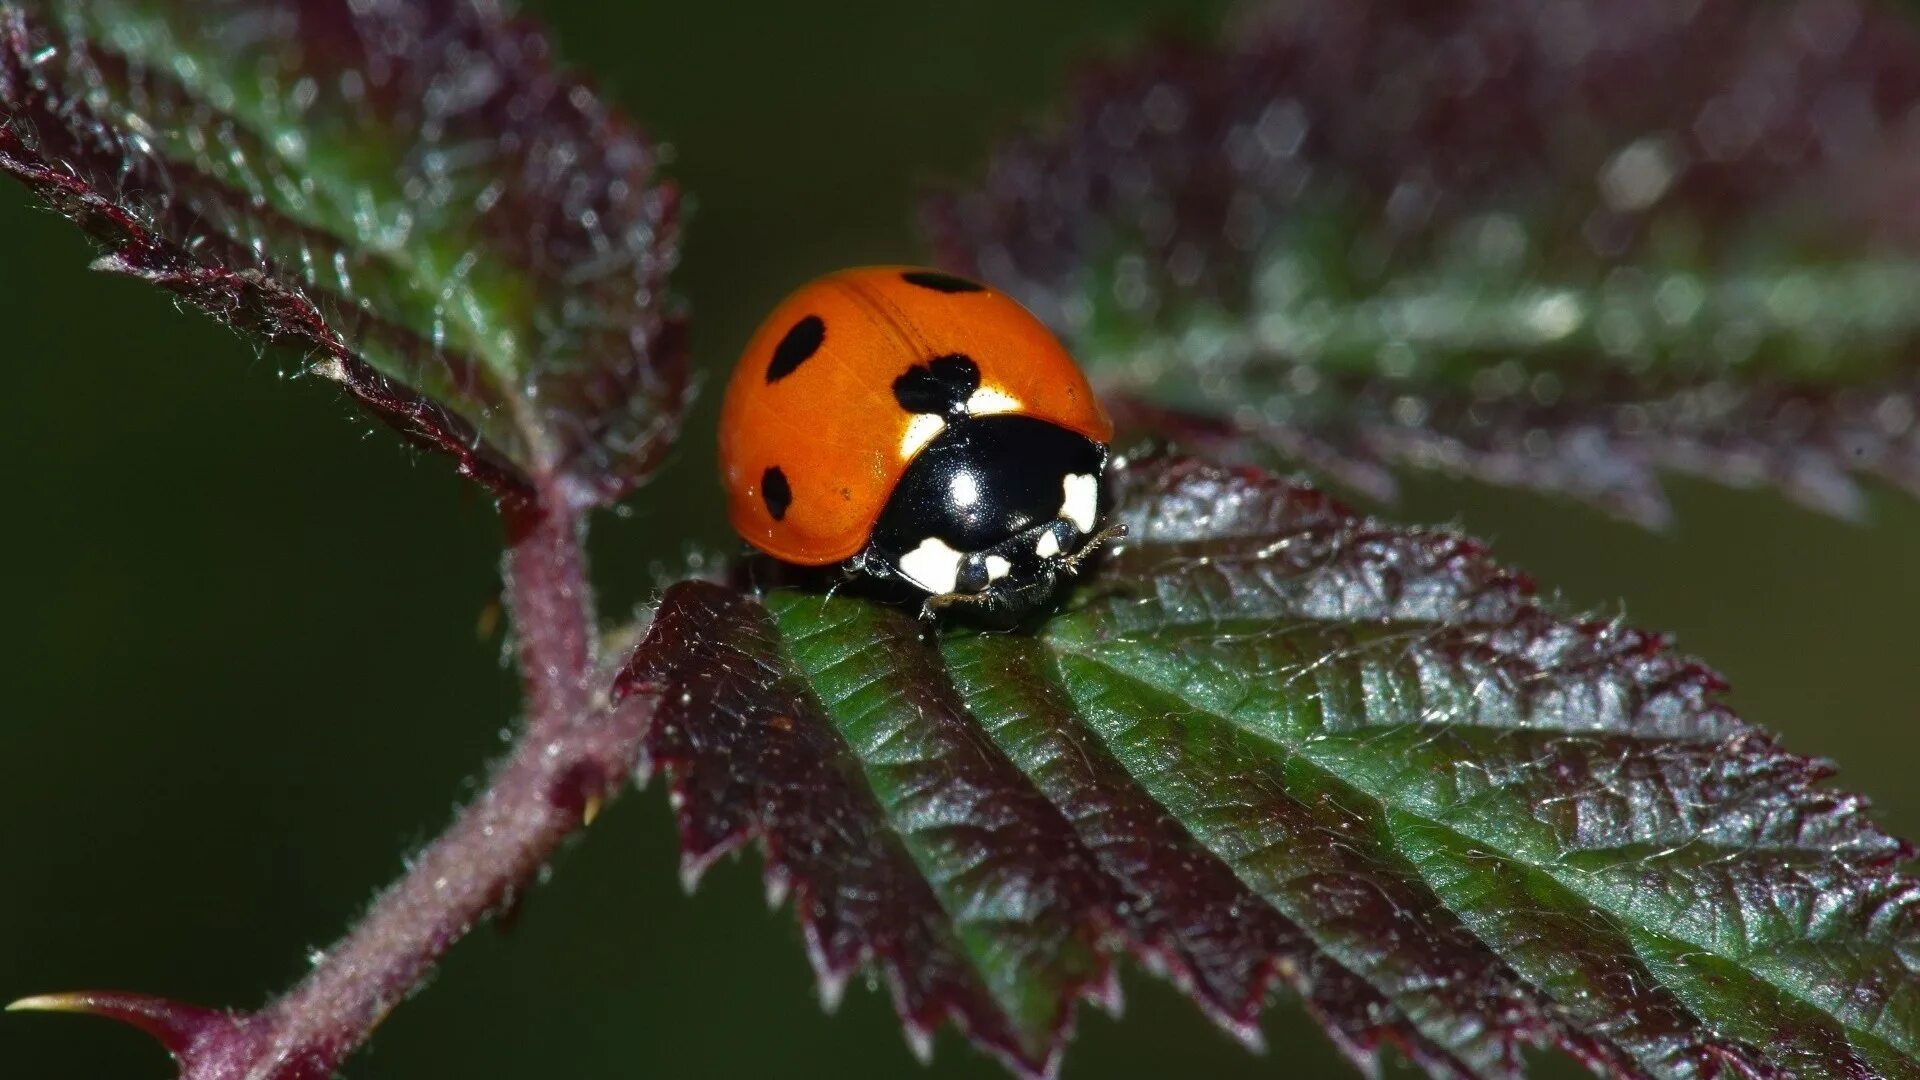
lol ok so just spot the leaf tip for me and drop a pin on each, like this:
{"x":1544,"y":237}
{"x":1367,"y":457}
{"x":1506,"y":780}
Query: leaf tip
{"x":1104,"y":991}
{"x":919,"y":1042}
{"x":832,"y":984}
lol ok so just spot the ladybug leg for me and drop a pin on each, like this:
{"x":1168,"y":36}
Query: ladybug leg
{"x":860,"y":565}
{"x":930,"y":610}
{"x":1071,"y":563}
{"x":834,"y":588}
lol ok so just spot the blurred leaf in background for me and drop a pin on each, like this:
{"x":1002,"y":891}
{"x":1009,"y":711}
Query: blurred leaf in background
{"x":472,"y":245}
{"x":1556,"y":246}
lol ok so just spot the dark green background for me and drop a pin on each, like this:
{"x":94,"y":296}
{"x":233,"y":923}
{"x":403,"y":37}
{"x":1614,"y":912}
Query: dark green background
{"x":242,"y":676}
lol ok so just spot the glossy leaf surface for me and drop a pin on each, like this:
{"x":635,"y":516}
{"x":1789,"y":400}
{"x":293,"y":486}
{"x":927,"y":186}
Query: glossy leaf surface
{"x":1270,"y":741}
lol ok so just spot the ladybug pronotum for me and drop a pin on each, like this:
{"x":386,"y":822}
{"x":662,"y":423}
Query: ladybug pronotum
{"x":917,"y":427}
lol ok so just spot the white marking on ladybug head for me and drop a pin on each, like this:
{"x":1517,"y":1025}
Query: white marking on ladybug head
{"x":988,"y":400}
{"x":1048,"y":545}
{"x":1082,"y":501}
{"x":921,"y":430}
{"x":933,"y":566}
{"x":998,"y":568}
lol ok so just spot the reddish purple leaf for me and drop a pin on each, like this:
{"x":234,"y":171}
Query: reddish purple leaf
{"x":470,"y":241}
{"x":1560,"y":246}
{"x":862,"y":894}
{"x":1270,"y":741}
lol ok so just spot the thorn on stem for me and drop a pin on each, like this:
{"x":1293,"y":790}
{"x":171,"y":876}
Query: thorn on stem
{"x":174,"y":1024}
{"x":208,"y":1044}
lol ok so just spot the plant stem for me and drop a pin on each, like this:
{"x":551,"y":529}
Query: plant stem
{"x":552,"y":608}
{"x":575,"y":753}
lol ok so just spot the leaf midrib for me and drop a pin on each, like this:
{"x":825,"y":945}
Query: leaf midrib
{"x":928,"y":865}
{"x":1528,"y":313}
{"x":1790,"y":989}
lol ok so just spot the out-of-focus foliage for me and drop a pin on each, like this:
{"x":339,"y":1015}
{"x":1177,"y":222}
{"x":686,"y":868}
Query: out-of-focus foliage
{"x":1558,"y":245}
{"x":470,"y":241}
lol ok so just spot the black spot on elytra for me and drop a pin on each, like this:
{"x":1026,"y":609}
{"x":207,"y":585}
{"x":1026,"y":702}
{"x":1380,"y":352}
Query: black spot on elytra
{"x":940,"y":386}
{"x":938,"y":282}
{"x":775,"y":492}
{"x":802,"y":341}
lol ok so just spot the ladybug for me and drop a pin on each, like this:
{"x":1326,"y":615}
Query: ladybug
{"x":921,"y":428}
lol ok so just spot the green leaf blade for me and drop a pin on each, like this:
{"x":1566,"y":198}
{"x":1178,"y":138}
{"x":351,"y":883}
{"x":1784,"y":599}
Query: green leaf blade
{"x":1185,"y":912}
{"x":1273,"y":742}
{"x":1291,"y":836}
{"x":1495,"y":733}
{"x":1647,"y":1004}
{"x":1032,"y":936}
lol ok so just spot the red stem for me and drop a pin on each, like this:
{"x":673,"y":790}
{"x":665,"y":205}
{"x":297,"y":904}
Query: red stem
{"x":552,"y":609}
{"x":574,"y":753}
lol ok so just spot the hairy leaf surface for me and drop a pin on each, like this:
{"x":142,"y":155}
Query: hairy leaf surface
{"x":469,"y":240}
{"x":1561,"y":245}
{"x":1268,"y":742}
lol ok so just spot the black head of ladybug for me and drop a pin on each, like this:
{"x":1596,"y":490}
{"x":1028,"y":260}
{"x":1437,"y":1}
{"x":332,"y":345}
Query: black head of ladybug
{"x":992,"y":514}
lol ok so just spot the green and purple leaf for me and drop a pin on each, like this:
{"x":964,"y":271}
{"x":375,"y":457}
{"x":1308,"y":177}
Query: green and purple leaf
{"x":1562,"y":246}
{"x":470,"y":241}
{"x":1269,"y":741}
